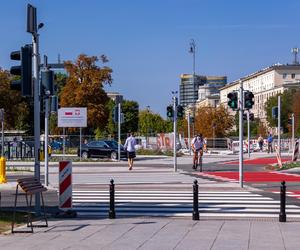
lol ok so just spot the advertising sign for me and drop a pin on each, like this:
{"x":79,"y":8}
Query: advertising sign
{"x":72,"y":117}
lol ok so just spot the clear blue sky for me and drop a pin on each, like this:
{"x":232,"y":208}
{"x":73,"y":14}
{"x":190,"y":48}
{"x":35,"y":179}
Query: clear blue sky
{"x":147,"y":42}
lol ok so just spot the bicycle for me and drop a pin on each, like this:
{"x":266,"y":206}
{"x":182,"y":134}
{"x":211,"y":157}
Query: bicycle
{"x":198,"y":159}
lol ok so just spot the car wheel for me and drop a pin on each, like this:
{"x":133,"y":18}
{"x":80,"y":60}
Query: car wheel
{"x":84,"y":155}
{"x":113,"y":155}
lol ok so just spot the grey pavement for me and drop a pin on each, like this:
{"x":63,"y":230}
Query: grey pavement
{"x":158,"y":233}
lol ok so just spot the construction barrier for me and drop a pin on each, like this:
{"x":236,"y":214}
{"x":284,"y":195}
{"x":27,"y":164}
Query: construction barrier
{"x":2,"y":170}
{"x":296,"y":151}
{"x":65,"y":185}
{"x":278,"y":157}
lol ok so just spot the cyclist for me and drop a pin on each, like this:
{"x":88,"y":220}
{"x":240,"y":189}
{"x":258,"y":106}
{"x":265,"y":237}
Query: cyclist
{"x":197,"y":146}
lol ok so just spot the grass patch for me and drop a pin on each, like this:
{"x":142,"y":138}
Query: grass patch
{"x":6,"y":218}
{"x":285,"y":166}
{"x":156,"y":152}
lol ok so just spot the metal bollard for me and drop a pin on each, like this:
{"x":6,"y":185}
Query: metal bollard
{"x":282,"y":214}
{"x":3,"y":178}
{"x":195,"y":201}
{"x":112,"y":213}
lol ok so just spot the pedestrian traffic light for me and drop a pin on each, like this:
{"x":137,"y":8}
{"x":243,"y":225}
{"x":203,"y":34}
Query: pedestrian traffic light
{"x":233,"y":100}
{"x":47,"y":79}
{"x":24,"y":71}
{"x":275,"y":112}
{"x":245,"y":117}
{"x":192,"y":119}
{"x":170,"y":111}
{"x":180,"y":111}
{"x":248,"y":100}
{"x":115,"y":114}
{"x":290,"y":120}
{"x":251,"y":117}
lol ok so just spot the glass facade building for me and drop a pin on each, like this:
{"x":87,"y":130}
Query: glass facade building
{"x":188,"y":91}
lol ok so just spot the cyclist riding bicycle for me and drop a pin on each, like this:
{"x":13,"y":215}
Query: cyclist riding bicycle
{"x":197,"y":146}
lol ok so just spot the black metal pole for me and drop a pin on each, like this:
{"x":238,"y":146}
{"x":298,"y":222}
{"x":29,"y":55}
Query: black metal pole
{"x":282,"y":214}
{"x":195,"y":201}
{"x":112,"y":213}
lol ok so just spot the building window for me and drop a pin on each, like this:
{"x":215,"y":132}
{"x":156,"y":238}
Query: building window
{"x":284,"y":75}
{"x":293,"y":76}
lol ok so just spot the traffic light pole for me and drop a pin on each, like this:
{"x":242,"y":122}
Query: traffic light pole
{"x":175,"y":132}
{"x":46,"y":139}
{"x":279,"y":125}
{"x":119,"y":131}
{"x":248,"y":120}
{"x":293,"y":133}
{"x":189,"y":133}
{"x":241,"y":110}
{"x":36,"y":97}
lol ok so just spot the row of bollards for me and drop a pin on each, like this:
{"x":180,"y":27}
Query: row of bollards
{"x":112,"y":212}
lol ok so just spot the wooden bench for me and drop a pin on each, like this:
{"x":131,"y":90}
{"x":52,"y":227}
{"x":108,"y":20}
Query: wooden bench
{"x":31,"y":186}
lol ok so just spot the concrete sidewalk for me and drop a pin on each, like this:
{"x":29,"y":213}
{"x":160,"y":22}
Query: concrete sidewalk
{"x":159,"y":234}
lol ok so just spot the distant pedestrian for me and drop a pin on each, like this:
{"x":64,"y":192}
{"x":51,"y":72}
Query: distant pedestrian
{"x":270,"y":143}
{"x":130,"y":148}
{"x":260,"y":143}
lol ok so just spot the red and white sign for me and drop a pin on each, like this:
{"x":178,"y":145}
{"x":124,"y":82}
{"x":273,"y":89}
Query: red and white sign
{"x":65,"y":185}
{"x":72,"y":117}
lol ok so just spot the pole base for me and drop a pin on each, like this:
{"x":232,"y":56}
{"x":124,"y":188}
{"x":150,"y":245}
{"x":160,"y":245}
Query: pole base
{"x":195,"y":216}
{"x":111,"y":215}
{"x":282,"y":217}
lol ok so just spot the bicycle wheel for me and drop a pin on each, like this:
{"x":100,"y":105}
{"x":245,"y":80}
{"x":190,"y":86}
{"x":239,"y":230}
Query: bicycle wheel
{"x":200,"y":163}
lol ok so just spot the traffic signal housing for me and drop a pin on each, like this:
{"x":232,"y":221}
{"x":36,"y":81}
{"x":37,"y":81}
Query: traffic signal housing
{"x":47,"y":78}
{"x":248,"y":100}
{"x":180,"y":111}
{"x":170,"y":111}
{"x":233,"y":100}
{"x":24,"y":70}
{"x":251,"y":117}
{"x":115,"y":114}
{"x":275,"y":112}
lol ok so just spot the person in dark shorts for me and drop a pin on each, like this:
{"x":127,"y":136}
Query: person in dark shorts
{"x":130,"y":148}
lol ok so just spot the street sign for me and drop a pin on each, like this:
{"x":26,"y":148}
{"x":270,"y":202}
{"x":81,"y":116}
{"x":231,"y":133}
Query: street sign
{"x":72,"y":117}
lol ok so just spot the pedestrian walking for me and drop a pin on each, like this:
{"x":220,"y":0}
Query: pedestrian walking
{"x":130,"y":148}
{"x":197,"y":146}
{"x":270,"y":143}
{"x":260,"y":143}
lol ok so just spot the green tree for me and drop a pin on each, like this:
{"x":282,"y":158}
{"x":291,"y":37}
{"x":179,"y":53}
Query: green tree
{"x":130,"y":109}
{"x":286,"y":108}
{"x":15,"y":106}
{"x":151,"y":123}
{"x":84,"y":88}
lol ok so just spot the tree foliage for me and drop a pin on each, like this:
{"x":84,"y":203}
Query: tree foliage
{"x":84,"y":88}
{"x":151,"y":123}
{"x":286,"y":108}
{"x":130,"y":109}
{"x":16,"y":107}
{"x":208,"y":119}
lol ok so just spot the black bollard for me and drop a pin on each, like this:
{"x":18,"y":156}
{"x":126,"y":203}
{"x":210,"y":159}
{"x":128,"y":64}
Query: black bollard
{"x":112,"y":213}
{"x":282,"y":214}
{"x":195,"y":201}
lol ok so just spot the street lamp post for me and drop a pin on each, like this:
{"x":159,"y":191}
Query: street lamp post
{"x":174,"y":98}
{"x":193,"y":51}
{"x":147,"y":129}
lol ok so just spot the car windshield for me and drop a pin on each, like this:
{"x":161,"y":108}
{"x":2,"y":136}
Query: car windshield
{"x":112,"y":144}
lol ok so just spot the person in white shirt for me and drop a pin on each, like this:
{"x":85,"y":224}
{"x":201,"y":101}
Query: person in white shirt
{"x":130,"y":148}
{"x":197,"y":146}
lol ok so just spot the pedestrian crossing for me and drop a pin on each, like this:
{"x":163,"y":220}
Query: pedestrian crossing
{"x":92,"y":203}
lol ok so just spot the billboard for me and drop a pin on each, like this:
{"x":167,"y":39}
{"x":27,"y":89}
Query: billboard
{"x":72,"y":117}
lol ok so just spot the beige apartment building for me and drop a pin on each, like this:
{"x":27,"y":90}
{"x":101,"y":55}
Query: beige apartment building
{"x":264,"y":84}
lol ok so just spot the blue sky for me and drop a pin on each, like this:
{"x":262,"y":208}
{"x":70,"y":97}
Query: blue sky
{"x":147,"y":42}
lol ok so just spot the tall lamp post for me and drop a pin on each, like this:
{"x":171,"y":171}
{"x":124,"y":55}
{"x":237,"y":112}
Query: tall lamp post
{"x":192,"y":50}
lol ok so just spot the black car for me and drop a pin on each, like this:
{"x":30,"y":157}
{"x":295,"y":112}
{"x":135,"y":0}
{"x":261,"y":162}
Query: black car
{"x":101,"y":149}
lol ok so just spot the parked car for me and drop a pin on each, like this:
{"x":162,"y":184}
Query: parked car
{"x":101,"y":149}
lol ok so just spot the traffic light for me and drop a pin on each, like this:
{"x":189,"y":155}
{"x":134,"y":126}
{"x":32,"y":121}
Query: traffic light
{"x":248,"y":100}
{"x":275,"y":112}
{"x":47,"y":78}
{"x":245,"y":117}
{"x":53,"y":104}
{"x":251,"y":117}
{"x":180,"y":111}
{"x":192,"y":119}
{"x":233,"y":100}
{"x":24,"y":71}
{"x":170,"y":111}
{"x":115,"y":115}
{"x":290,"y":120}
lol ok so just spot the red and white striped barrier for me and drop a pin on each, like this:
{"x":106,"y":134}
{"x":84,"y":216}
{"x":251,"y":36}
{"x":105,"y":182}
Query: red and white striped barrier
{"x":278,"y":157}
{"x":296,"y":151}
{"x":65,"y":185}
